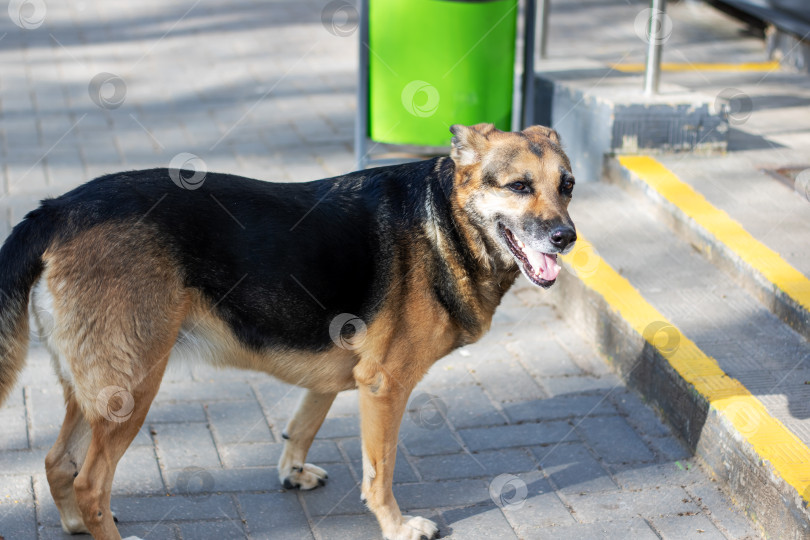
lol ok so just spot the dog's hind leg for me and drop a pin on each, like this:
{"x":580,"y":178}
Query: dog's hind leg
{"x":112,"y":432}
{"x":62,"y":465}
{"x":292,"y":469}
{"x":118,"y":301}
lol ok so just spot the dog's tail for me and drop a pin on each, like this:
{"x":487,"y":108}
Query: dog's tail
{"x":20,"y":266}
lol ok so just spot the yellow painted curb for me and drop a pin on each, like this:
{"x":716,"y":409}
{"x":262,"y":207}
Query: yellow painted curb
{"x":771,"y":440}
{"x":725,"y":229}
{"x":700,"y":66}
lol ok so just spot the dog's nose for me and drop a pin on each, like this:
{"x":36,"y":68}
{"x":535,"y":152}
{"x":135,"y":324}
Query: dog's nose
{"x":561,"y":237}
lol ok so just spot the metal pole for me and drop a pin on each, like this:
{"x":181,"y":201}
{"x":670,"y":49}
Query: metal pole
{"x":656,"y":34}
{"x":527,"y":92}
{"x":361,"y":122}
{"x":543,"y":9}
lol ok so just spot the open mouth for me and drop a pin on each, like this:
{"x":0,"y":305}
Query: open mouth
{"x":541,"y":268}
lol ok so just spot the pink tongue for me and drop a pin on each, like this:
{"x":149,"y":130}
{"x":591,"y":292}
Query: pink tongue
{"x":543,"y":263}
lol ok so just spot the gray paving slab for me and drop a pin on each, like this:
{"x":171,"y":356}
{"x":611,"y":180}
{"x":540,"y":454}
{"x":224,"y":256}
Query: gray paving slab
{"x":469,"y":406}
{"x":485,"y":522}
{"x":421,"y":441}
{"x":213,"y":530}
{"x":341,"y":495}
{"x":46,"y":509}
{"x":558,"y":408}
{"x":175,"y":412}
{"x":716,"y":505}
{"x":198,"y":481}
{"x":573,"y":468}
{"x":183,"y":445}
{"x":138,"y":472}
{"x":17,"y":511}
{"x":520,"y":435}
{"x":660,"y":501}
{"x":505,"y":379}
{"x":347,"y":527}
{"x":614,"y":440}
{"x":15,"y":430}
{"x":274,"y":515}
{"x":450,"y":493}
{"x":238,"y":422}
{"x":641,"y":417}
{"x":16,"y":462}
{"x":541,"y":509}
{"x":162,"y":508}
{"x":686,"y":527}
{"x":555,"y":361}
{"x":649,"y":475}
{"x":601,"y":530}
{"x":595,"y":384}
{"x":148,"y":531}
{"x":465,"y":465}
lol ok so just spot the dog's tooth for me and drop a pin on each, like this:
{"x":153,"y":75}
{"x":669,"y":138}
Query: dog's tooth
{"x":520,"y":244}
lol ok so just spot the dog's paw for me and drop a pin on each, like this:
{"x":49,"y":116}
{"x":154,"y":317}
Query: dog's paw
{"x":74,"y":525}
{"x":303,"y":477}
{"x":414,"y":528}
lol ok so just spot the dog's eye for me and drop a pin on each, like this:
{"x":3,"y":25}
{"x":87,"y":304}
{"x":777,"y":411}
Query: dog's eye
{"x":518,"y":187}
{"x":568,"y":186}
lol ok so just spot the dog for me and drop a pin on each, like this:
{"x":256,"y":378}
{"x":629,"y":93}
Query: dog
{"x":361,"y":281}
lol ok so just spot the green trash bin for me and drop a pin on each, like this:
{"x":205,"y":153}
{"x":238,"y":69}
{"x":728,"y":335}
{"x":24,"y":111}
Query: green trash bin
{"x":433,"y":63}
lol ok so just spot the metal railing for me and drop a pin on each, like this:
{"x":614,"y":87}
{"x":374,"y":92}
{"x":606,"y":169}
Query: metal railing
{"x":656,"y":33}
{"x":652,"y":68}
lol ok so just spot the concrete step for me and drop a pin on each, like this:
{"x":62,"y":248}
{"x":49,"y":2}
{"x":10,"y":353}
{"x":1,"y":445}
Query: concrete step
{"x":723,"y":369}
{"x":750,"y":225}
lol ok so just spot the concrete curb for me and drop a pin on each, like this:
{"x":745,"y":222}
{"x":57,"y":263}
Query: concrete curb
{"x":751,"y":482}
{"x":775,"y":299}
{"x":599,"y":110}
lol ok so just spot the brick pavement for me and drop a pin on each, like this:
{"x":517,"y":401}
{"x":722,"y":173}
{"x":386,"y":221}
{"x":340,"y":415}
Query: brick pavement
{"x":268,"y":91}
{"x":582,"y":455}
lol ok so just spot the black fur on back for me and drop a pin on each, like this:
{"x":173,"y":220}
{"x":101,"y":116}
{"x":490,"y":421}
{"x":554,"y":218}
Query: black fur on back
{"x":280,"y":260}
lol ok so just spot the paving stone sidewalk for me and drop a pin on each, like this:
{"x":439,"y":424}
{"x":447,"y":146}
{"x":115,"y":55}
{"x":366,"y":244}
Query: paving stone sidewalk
{"x":267,"y":90}
{"x":523,"y":435}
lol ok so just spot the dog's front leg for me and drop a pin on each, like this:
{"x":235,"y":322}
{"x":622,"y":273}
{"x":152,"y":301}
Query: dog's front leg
{"x":382,"y":405}
{"x":293,"y":472}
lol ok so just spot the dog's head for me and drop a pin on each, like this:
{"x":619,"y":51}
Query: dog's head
{"x":515,"y":188}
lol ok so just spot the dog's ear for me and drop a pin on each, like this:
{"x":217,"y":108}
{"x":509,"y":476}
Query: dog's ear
{"x":484,"y":128}
{"x":542,"y":131}
{"x":469,"y":143}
